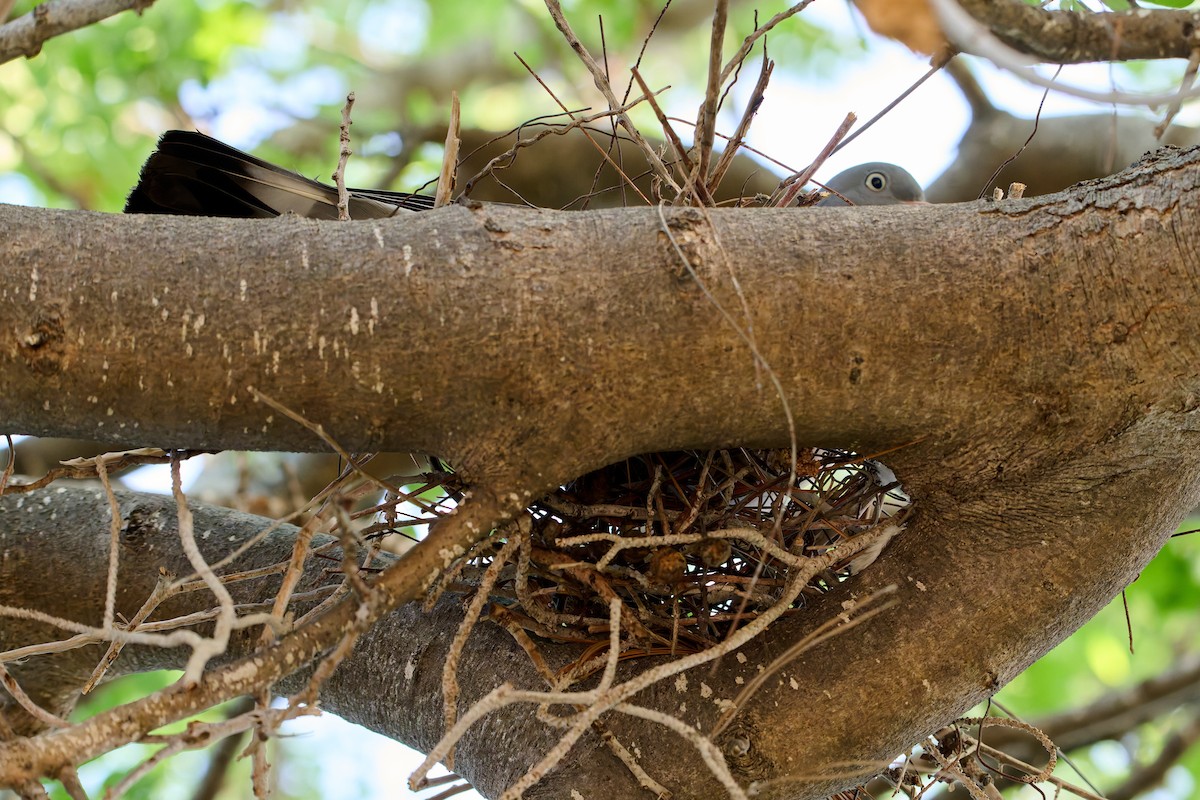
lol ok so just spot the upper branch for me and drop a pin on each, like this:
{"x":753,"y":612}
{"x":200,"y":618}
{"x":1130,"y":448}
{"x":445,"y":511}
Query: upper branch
{"x":1068,"y":37}
{"x":492,"y":336}
{"x":24,"y":36}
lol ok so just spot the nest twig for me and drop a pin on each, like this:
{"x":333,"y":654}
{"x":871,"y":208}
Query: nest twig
{"x":694,"y":544}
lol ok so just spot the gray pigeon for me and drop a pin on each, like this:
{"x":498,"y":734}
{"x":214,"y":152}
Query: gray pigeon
{"x":876,"y":183}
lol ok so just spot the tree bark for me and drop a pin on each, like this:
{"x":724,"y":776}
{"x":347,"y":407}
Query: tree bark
{"x":1036,"y":356}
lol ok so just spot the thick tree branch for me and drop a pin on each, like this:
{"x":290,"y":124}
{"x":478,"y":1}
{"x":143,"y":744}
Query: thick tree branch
{"x":1041,"y":351}
{"x":1069,"y":37}
{"x":25,"y":35}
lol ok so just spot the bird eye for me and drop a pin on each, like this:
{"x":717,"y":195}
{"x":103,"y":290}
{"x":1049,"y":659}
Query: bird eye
{"x":876,"y":181}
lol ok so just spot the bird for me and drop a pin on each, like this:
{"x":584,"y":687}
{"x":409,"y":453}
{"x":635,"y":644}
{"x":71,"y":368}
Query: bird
{"x":875,"y":183}
{"x":192,"y":174}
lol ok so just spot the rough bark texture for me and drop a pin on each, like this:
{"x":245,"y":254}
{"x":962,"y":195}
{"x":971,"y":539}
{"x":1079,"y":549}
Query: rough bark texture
{"x":1040,"y":353}
{"x":1068,"y":37}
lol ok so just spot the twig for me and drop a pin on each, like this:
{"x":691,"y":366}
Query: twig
{"x":516,"y":534}
{"x":445,"y":185}
{"x":319,"y":430}
{"x":739,"y":135}
{"x":609,"y":114}
{"x":344,"y":152}
{"x":157,"y":595}
{"x":709,"y":753}
{"x":69,"y":777}
{"x":706,"y":119}
{"x":656,"y":163}
{"x":205,"y":649}
{"x":798,"y":180}
{"x":86,"y":467}
{"x":295,"y":569}
{"x":672,"y":137}
{"x":606,"y":697}
{"x":939,"y":62}
{"x":10,"y":466}
{"x":1189,"y":77}
{"x":26,"y":702}
{"x":222,"y":755}
{"x":825,"y":630}
{"x":748,"y":42}
{"x":1000,"y":755}
{"x":114,"y":546}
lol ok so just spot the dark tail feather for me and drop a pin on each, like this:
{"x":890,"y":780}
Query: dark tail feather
{"x":196,"y":175}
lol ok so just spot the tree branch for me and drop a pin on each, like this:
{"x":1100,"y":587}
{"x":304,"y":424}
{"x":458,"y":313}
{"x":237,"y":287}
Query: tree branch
{"x":1042,"y":351}
{"x":25,"y":35}
{"x":1068,"y":37}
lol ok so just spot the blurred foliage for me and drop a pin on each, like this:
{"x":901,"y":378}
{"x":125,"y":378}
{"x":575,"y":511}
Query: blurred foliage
{"x":1096,"y":660}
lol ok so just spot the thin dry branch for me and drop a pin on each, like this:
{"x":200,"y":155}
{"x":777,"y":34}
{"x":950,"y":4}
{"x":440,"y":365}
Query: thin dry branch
{"x":607,"y":696}
{"x":739,"y":135}
{"x":748,"y":42}
{"x":24,"y":701}
{"x":23,"y":760}
{"x":706,"y":119}
{"x":601,"y":81}
{"x":604,"y":152}
{"x":798,"y":180}
{"x":681,"y":153}
{"x":344,"y":153}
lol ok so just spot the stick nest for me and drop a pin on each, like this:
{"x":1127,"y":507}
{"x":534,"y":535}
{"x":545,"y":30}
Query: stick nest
{"x":694,"y":544}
